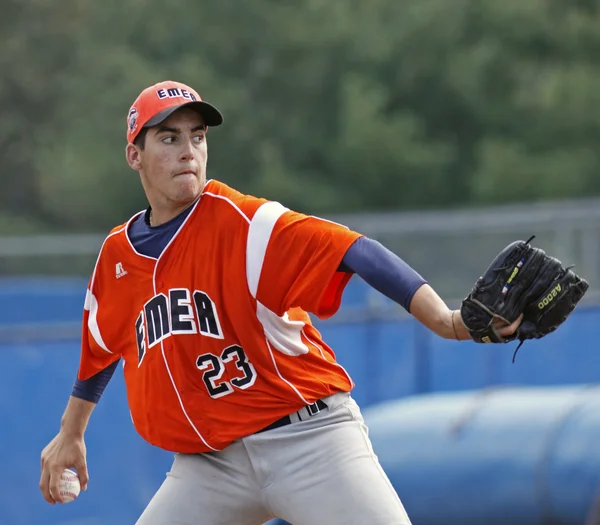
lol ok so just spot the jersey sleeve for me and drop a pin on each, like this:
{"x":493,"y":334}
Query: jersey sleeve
{"x":302,"y":255}
{"x":95,"y":354}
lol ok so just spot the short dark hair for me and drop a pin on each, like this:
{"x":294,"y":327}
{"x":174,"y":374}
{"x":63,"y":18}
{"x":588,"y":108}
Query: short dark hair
{"x":140,"y":140}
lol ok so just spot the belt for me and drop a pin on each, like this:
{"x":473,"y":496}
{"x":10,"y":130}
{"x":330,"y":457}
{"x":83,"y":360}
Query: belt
{"x":313,"y":409}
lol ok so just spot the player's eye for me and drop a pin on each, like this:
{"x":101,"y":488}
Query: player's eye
{"x":168,"y":139}
{"x":198,"y":139}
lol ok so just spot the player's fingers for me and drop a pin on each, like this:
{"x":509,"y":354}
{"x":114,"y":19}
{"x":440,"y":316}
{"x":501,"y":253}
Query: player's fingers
{"x":82,"y":473}
{"x":55,"y":474}
{"x":506,"y":331}
{"x":45,"y":484}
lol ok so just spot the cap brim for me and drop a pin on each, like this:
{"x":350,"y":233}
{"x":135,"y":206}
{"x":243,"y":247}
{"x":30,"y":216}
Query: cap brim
{"x":210,"y":114}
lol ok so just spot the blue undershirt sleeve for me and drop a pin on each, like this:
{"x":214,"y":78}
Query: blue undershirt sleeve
{"x":92,"y":389}
{"x":383,"y":270}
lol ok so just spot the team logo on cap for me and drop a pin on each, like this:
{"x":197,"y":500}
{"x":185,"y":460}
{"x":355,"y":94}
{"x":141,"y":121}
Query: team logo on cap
{"x":132,"y":119}
{"x":175,"y":93}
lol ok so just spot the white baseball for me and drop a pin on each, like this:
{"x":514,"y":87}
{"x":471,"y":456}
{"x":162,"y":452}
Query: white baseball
{"x":69,"y":485}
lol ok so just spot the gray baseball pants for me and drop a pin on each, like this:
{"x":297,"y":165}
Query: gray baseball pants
{"x":318,"y":470}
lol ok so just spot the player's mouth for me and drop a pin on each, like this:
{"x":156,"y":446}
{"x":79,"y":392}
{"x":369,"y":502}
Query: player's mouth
{"x":186,"y":172}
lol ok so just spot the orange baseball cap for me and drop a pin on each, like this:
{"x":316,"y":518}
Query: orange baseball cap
{"x":157,"y":102}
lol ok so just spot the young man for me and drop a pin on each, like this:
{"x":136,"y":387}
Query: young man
{"x":205,"y":298}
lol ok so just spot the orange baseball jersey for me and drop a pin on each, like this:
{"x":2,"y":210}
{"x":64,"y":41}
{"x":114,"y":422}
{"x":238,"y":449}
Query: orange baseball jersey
{"x":214,"y":334}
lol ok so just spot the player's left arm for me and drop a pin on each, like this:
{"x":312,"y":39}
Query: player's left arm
{"x":295,"y":260}
{"x":394,"y":278}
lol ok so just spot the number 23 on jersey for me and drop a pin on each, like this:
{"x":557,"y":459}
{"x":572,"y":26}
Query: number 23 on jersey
{"x":183,"y":312}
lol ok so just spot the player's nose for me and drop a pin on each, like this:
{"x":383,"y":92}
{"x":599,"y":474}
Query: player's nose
{"x":187,"y":151}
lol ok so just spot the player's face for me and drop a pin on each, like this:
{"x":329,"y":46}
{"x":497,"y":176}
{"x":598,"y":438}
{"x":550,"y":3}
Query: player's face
{"x":172,"y":164}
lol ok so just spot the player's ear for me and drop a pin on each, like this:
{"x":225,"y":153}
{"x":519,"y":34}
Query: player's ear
{"x":133,"y":155}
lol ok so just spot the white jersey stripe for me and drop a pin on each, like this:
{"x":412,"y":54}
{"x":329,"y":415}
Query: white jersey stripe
{"x":91,"y":305}
{"x":259,"y":234}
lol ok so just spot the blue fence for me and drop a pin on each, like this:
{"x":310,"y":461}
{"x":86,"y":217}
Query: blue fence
{"x":387,"y":359}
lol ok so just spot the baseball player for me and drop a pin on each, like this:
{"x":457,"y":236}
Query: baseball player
{"x":204,"y":297}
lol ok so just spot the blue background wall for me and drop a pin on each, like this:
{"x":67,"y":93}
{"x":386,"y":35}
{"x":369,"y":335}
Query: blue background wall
{"x":506,"y":455}
{"x":387,"y":359}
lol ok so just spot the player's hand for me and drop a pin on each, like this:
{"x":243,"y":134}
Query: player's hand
{"x":64,"y":451}
{"x":505,"y":330}
{"x":501,"y":327}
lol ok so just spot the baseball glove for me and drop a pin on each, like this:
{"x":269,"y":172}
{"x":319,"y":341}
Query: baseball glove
{"x":522,"y":279}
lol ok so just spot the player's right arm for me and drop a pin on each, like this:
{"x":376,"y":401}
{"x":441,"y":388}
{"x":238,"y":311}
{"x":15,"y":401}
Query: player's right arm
{"x":67,"y":449}
{"x":97,"y":364}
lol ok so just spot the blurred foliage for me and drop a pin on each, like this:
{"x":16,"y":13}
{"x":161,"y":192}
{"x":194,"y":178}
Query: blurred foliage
{"x":329,"y":106}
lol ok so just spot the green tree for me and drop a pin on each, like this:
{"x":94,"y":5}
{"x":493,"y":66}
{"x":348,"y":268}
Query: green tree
{"x":329,"y":106}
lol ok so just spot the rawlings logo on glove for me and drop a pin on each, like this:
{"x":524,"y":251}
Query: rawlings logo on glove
{"x":524,"y":280}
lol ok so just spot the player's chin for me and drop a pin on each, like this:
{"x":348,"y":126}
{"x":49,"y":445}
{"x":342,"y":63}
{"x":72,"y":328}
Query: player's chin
{"x":186,"y":189}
